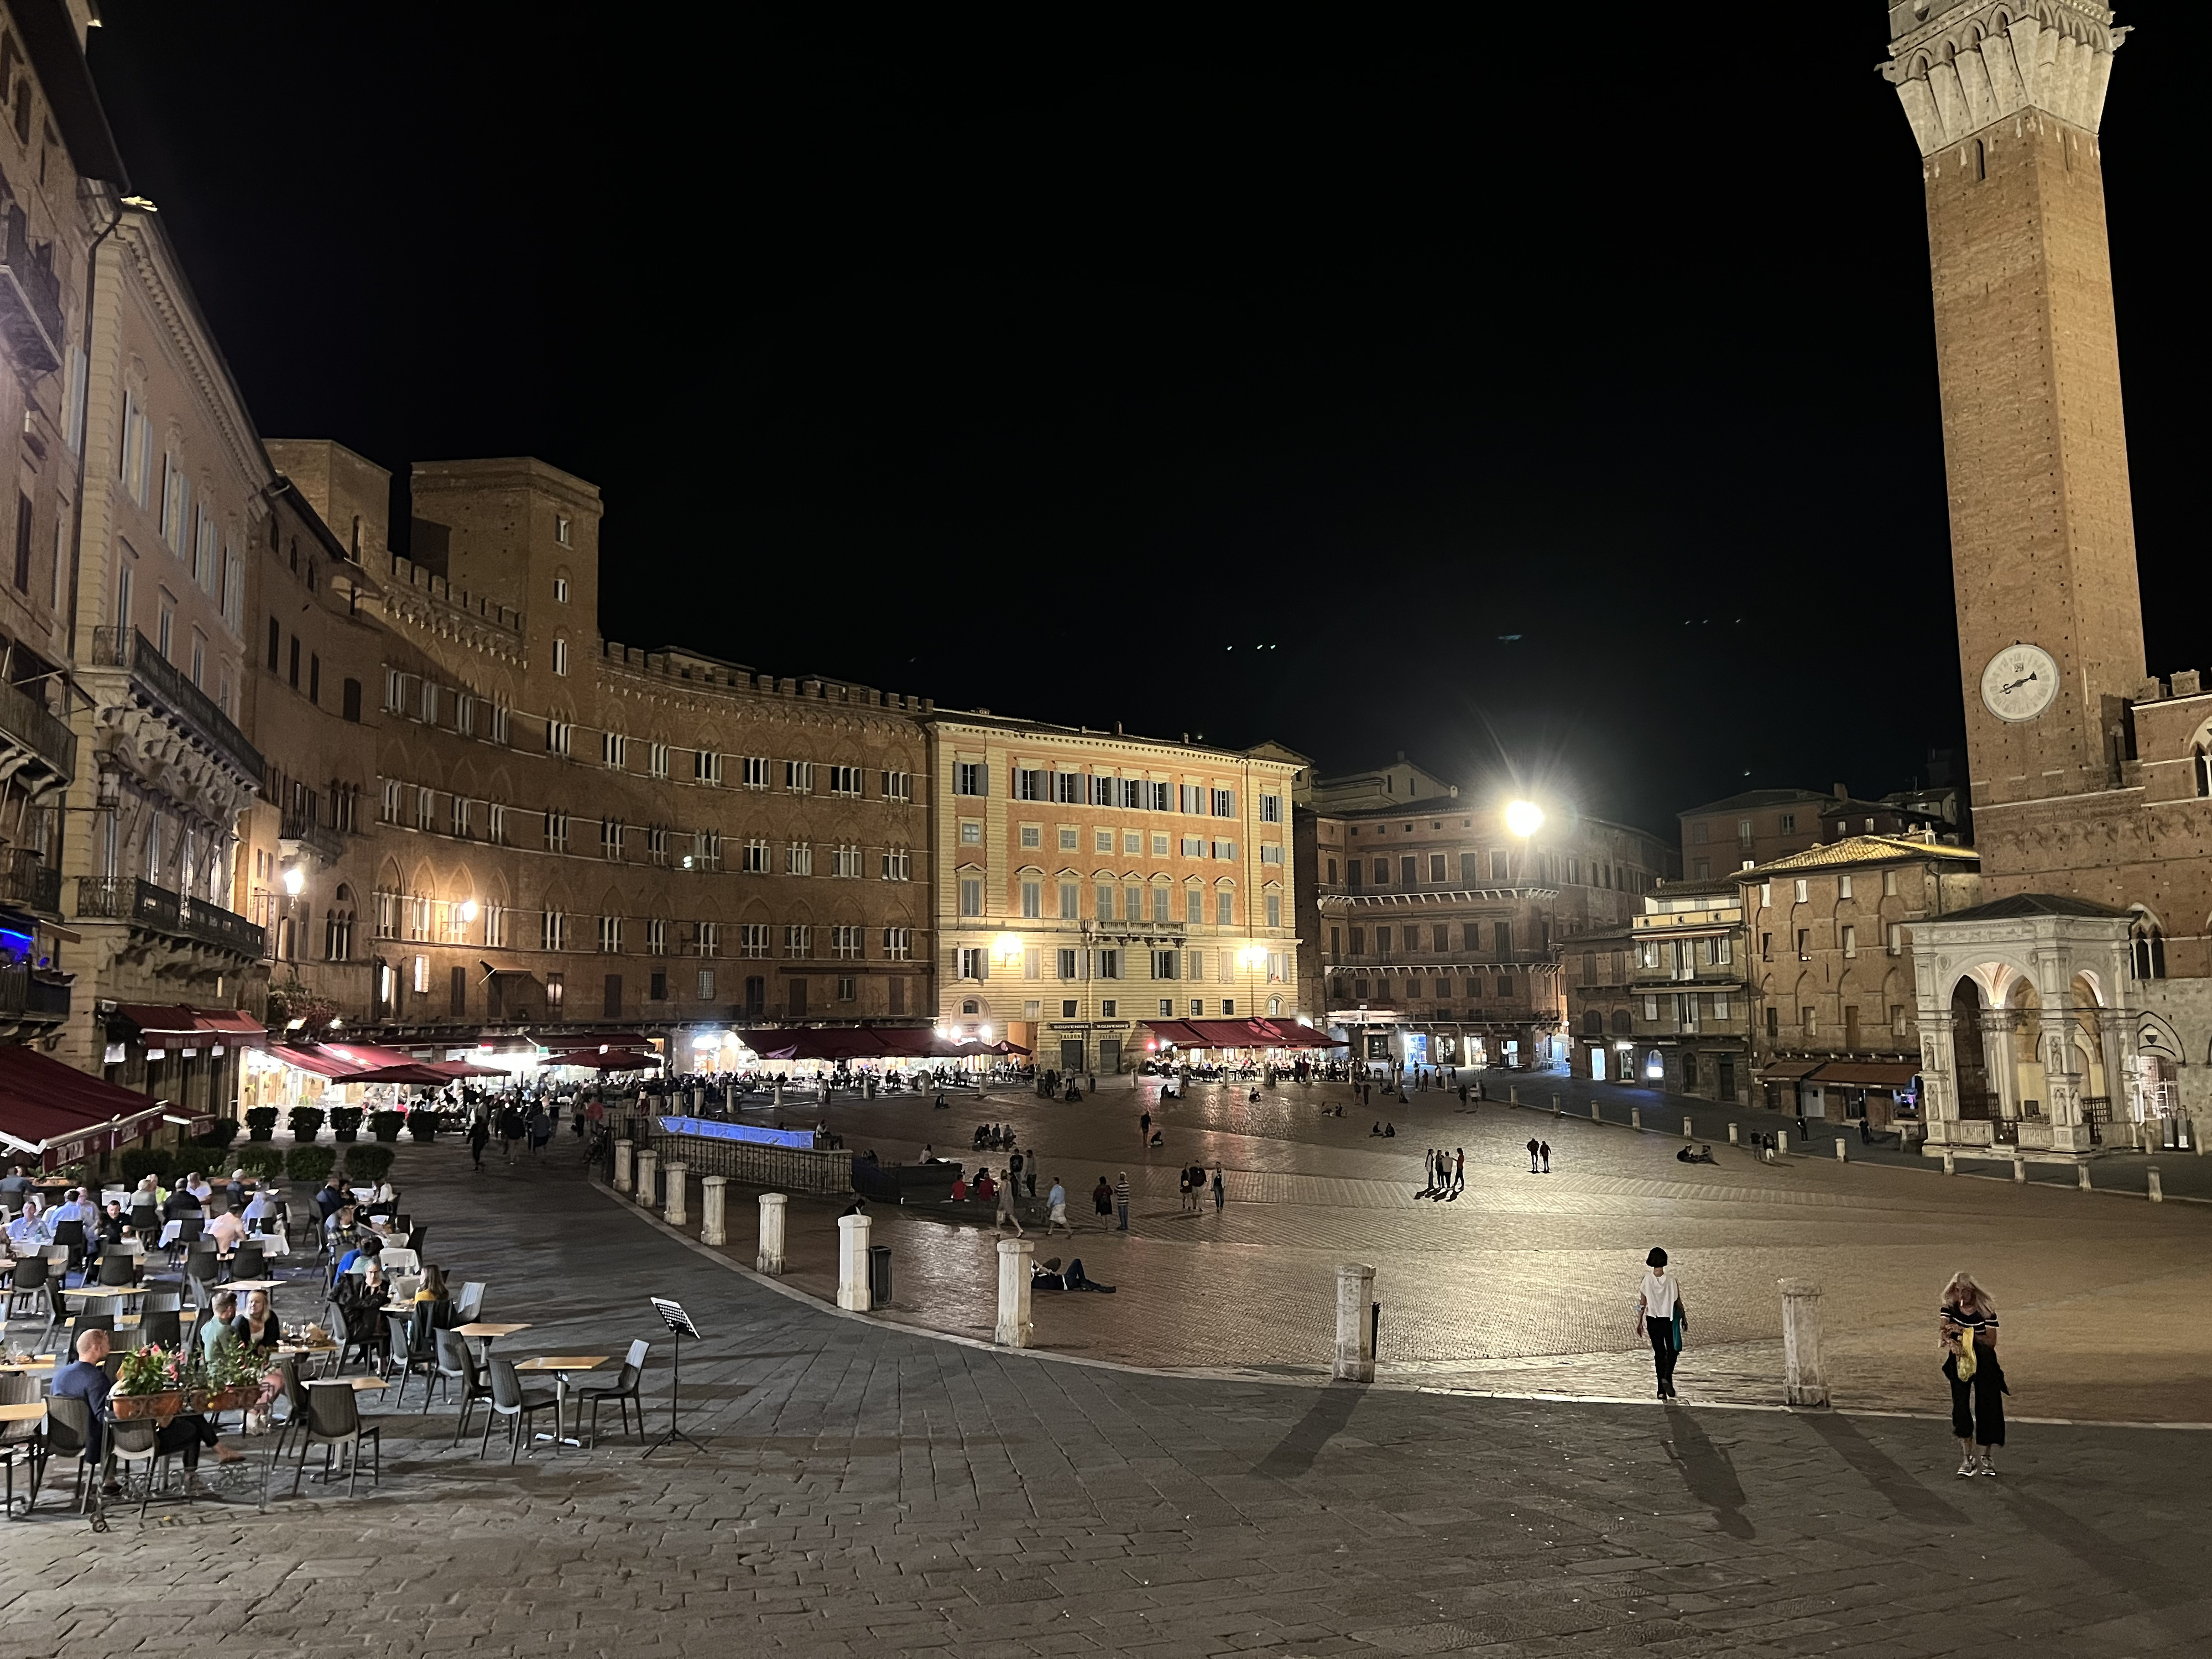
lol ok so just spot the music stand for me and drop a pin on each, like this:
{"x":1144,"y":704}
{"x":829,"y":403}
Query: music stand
{"x":680,"y":1325}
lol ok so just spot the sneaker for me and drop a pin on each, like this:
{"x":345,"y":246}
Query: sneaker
{"x":1969,"y":1467}
{"x":1987,"y":1468}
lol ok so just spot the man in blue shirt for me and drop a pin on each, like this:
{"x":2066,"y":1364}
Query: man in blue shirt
{"x":87,"y":1380}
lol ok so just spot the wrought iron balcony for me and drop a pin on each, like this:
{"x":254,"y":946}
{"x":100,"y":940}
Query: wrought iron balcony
{"x":325,"y":842}
{"x":30,"y":298}
{"x":162,"y":682}
{"x":27,"y":881}
{"x":25,"y":724}
{"x":126,"y":898}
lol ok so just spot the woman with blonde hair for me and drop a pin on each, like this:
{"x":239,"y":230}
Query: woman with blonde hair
{"x":1967,"y":1322}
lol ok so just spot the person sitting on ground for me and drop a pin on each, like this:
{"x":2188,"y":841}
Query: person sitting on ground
{"x":1376,"y":1130}
{"x":1075,"y":1280}
{"x":1389,"y":1132}
{"x":87,"y":1379}
{"x":1046,"y":1275}
{"x":985,"y":1189}
{"x":960,"y":1188}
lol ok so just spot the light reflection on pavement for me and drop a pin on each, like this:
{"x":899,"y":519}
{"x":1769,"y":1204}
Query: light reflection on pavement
{"x":1526,"y":1284}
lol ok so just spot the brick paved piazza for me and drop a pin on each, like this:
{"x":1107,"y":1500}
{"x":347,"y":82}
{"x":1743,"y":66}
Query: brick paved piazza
{"x":869,"y":1491}
{"x":1527,"y":1283}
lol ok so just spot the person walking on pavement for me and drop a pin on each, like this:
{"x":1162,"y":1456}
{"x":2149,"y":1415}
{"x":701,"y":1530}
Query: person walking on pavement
{"x":1056,"y":1206}
{"x":479,"y":1138}
{"x":1102,"y":1198}
{"x":1968,"y":1323}
{"x":1007,"y":1193}
{"x":1544,"y":1149}
{"x":1144,"y":1128}
{"x":1220,"y":1193}
{"x":1122,"y":1201}
{"x":1535,"y":1145}
{"x":1661,"y":1316}
{"x":1458,"y":1170}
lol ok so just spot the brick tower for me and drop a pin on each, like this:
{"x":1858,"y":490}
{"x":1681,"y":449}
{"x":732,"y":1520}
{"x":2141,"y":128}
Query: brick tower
{"x":2004,"y":98}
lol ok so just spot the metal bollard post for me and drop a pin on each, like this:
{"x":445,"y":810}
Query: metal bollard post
{"x":1513,"y":1094}
{"x":675,"y":1173}
{"x":853,"y":1263}
{"x":2157,"y":1191}
{"x":2082,"y":1171}
{"x":623,"y":1181}
{"x":768,"y":1256}
{"x":1801,"y":1380}
{"x":713,"y":1200}
{"x":1595,"y":1118}
{"x":1357,"y":1319}
{"x":1014,"y":1330}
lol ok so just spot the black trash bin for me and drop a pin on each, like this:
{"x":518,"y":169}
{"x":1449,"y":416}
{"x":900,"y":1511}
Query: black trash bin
{"x":879,"y":1275}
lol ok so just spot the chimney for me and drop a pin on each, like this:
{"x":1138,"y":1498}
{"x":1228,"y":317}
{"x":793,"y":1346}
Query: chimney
{"x":1840,"y":792}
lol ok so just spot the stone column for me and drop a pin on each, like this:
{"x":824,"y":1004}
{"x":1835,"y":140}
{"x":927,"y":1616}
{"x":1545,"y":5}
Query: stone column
{"x":853,"y":1262}
{"x":1595,"y":1118}
{"x":646,"y":1159}
{"x":1014,"y":1330}
{"x":712,"y":1197}
{"x":2061,"y":1079}
{"x":675,"y":1173}
{"x":1513,"y":1094}
{"x":1939,"y":1093}
{"x":1802,"y":1381}
{"x":1842,"y":1157}
{"x":623,"y":1181}
{"x":1355,"y":1325}
{"x":769,"y":1258}
{"x":2020,"y":1171}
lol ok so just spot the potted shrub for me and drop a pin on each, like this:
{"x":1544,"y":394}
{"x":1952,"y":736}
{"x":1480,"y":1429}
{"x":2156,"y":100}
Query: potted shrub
{"x":423,"y":1122}
{"x":309,"y":1165}
{"x":366,"y":1165}
{"x":139,"y":1162}
{"x":219,"y":1135}
{"x":261,"y":1164}
{"x":261,"y":1123}
{"x":385,"y":1124}
{"x":307,"y":1122}
{"x":148,"y":1383}
{"x":345,"y":1122}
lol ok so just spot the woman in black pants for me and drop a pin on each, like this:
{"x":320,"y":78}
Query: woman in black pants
{"x":1968,"y":1320}
{"x":1657,"y":1306}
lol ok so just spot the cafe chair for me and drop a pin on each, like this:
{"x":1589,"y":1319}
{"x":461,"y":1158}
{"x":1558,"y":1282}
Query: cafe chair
{"x":71,"y":1235}
{"x":412,"y":1353}
{"x":468,"y":1307}
{"x":161,"y":1327}
{"x":520,"y":1406}
{"x":333,"y":1419}
{"x":456,"y":1365}
{"x":624,"y":1391}
{"x":188,"y":1234}
{"x":69,"y":1431}
{"x":249,"y":1262}
{"x":137,"y":1441}
{"x":31,"y":1296}
{"x":19,"y":1442}
{"x":117,"y":1267}
{"x":362,"y":1348}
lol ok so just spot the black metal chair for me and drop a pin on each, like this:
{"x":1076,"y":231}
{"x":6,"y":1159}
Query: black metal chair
{"x":249,"y":1262}
{"x":69,"y":1431}
{"x":413,"y":1351}
{"x":456,"y":1365}
{"x":520,"y":1406}
{"x":202,"y":1265}
{"x":118,"y":1268}
{"x":188,"y":1228}
{"x":161,"y":1327}
{"x":333,"y":1419}
{"x":354,"y":1335}
{"x":72,"y":1234}
{"x":624,"y":1391}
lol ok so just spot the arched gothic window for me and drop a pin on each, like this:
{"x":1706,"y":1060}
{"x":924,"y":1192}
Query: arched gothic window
{"x":2147,"y":958}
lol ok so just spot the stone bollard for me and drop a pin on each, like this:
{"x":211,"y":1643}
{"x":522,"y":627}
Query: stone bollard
{"x":1513,"y":1094}
{"x":1950,"y":1162}
{"x":1355,"y":1324}
{"x":623,"y":1177}
{"x":1595,"y":1118}
{"x":853,"y":1262}
{"x":698,"y":1098}
{"x":769,"y":1257}
{"x":1782,"y":1142}
{"x":778,"y":1094}
{"x":1014,"y":1327}
{"x":2157,"y":1191}
{"x":646,"y":1159}
{"x":1802,"y":1383}
{"x":1688,"y":1130}
{"x":712,"y":1197}
{"x":1555,"y":1105}
{"x":730,"y":1097}
{"x":2081,"y":1175}
{"x":2020,"y":1171}
{"x":1636,"y":1117}
{"x":1842,"y":1157}
{"x":1734,"y":1139}
{"x":674,"y":1173}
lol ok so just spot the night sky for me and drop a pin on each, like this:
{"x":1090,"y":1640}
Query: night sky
{"x":1557,"y":408}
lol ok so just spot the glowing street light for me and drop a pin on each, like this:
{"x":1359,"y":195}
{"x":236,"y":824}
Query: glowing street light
{"x":468,"y":910}
{"x":296,"y":880}
{"x":1006,"y":949}
{"x":1524,"y":817}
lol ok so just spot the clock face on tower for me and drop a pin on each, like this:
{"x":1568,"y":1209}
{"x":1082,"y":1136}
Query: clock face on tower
{"x":2020,"y":682}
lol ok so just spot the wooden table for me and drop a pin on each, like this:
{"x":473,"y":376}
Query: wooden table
{"x":103,"y":1290}
{"x":561,"y":1364}
{"x":24,"y":1367}
{"x":35,"y":1412}
{"x":239,"y":1287}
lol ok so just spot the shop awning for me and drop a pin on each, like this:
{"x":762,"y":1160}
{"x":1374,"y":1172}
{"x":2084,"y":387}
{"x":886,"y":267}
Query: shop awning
{"x":174,"y":1025}
{"x":461,"y":1068}
{"x":1176,"y":1032}
{"x":590,"y":1059}
{"x":851,"y":1042}
{"x":1867,"y":1073}
{"x":1291,"y":1035}
{"x":342,"y":1061}
{"x":48,"y":1106}
{"x":419,"y":1073}
{"x":575,"y":1042}
{"x":1786,"y":1070}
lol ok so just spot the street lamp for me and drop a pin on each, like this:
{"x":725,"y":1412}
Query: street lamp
{"x":296,"y":880}
{"x":468,"y":910}
{"x":1255,"y":957}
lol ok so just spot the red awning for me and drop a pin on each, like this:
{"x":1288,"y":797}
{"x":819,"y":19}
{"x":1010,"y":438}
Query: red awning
{"x":461,"y":1068}
{"x":1289,"y":1034}
{"x":1174,"y":1032}
{"x":345,"y":1061}
{"x":1786,"y":1070}
{"x":851,"y":1042}
{"x":47,"y":1106}
{"x":590,"y":1059}
{"x":575,"y":1041}
{"x":415,"y":1071}
{"x":174,"y":1025}
{"x":1867,"y":1073}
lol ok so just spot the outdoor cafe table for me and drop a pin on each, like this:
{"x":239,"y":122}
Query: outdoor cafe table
{"x":35,"y":1412}
{"x":242,"y":1285}
{"x":561,"y":1364}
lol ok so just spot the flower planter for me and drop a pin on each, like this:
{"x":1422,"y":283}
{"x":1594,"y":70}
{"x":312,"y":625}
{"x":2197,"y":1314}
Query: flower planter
{"x":236,"y":1398}
{"x":129,"y":1406}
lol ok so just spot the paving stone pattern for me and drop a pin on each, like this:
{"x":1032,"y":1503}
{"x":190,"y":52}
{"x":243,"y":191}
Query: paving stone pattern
{"x":867,"y":1491}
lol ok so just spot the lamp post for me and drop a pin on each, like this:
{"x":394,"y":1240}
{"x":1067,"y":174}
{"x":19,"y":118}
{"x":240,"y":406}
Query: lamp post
{"x":1524,"y":818}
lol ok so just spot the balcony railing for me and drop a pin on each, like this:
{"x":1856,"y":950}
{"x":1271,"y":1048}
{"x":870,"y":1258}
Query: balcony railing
{"x":163,"y":681}
{"x":25,"y":720}
{"x":28,"y":881}
{"x":30,"y":298}
{"x":23,"y":993}
{"x":126,"y":898}
{"x":325,"y":842}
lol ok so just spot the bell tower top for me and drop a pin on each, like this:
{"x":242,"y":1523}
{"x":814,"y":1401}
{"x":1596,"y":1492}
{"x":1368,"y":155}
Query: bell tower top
{"x":1961,"y":66}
